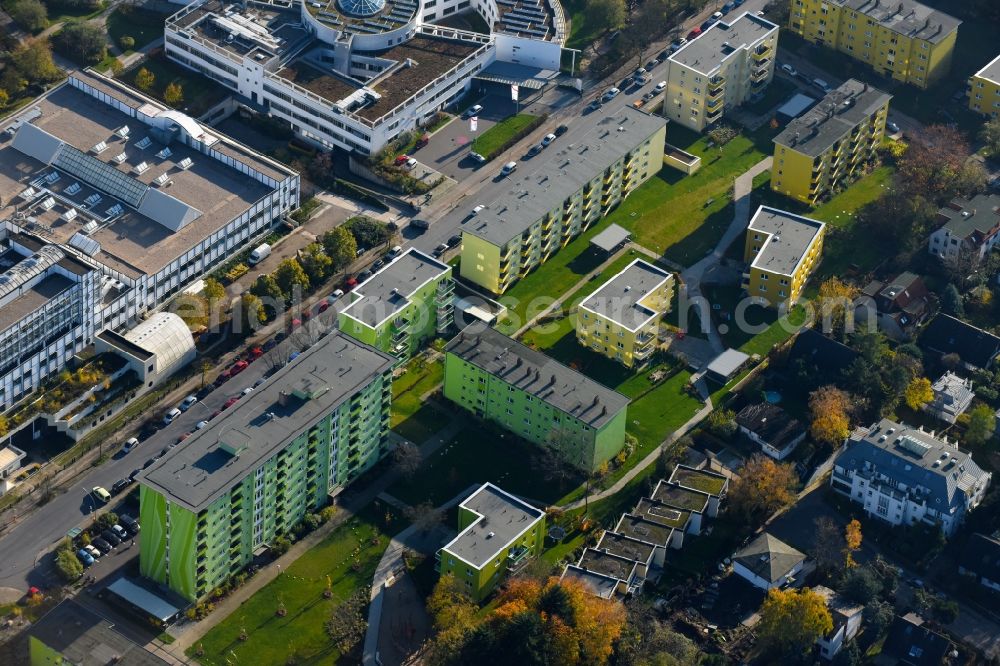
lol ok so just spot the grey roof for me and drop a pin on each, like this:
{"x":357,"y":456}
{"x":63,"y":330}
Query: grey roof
{"x":626,"y":546}
{"x":947,"y":335}
{"x":727,"y":362}
{"x":85,"y":638}
{"x":991,"y":71}
{"x":611,"y":237}
{"x":504,"y":519}
{"x":952,"y":394}
{"x":200,"y":470}
{"x":677,"y":496}
{"x":719,"y":42}
{"x":533,"y":372}
{"x":389,"y":290}
{"x":906,"y":17}
{"x":917,"y":459}
{"x":771,"y":423}
{"x":599,"y":584}
{"x":619,"y":298}
{"x":968,"y":217}
{"x":769,"y":557}
{"x":643,"y":529}
{"x":796,"y":105}
{"x":790,"y":236}
{"x":544,"y":183}
{"x":155,"y":605}
{"x":833,"y":119}
{"x":609,"y":564}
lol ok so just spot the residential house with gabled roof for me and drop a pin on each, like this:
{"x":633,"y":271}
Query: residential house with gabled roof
{"x":952,"y":396}
{"x":981,"y":560}
{"x":904,"y":475}
{"x":911,"y":643}
{"x":968,"y":226}
{"x":767,"y":562}
{"x":898,"y":305}
{"x":772,"y":428}
{"x":947,"y":335}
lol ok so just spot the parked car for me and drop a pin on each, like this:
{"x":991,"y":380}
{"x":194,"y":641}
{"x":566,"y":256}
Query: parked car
{"x":101,"y":494}
{"x":130,"y":444}
{"x":247,"y":391}
{"x":440,"y":249}
{"x":821,"y":84}
{"x":716,"y":16}
{"x":728,"y":7}
{"x":455,"y":240}
{"x":473,"y":110}
{"x":676,"y":45}
{"x":187,"y":402}
{"x":221,"y":379}
{"x":110,"y":536}
{"x":101,"y":545}
{"x":255,"y":353}
{"x":788,"y":69}
{"x":660,"y":87}
{"x":332,"y":298}
{"x":508,"y":168}
{"x":94,"y":553}
{"x":422,"y":225}
{"x":410,"y":163}
{"x":535,"y":149}
{"x":611,"y":94}
{"x":204,"y":391}
{"x":259,"y":254}
{"x":892,"y":127}
{"x":423,"y":140}
{"x":594,"y":105}
{"x":259,"y":382}
{"x":708,"y":24}
{"x":130,"y":523}
{"x":84,"y":557}
{"x":401,"y":160}
{"x":120,"y":485}
{"x":134,"y":473}
{"x":547,"y":139}
{"x":562,"y":129}
{"x":229,"y":403}
{"x":237,"y":368}
{"x":648,"y":96}
{"x":477,"y":158}
{"x":364,"y":275}
{"x":120,"y":531}
{"x":694,"y":32}
{"x":169,"y":417}
{"x":639,"y":102}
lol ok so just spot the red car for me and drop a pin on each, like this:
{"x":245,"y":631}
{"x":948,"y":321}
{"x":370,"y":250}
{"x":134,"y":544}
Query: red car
{"x":183,"y":437}
{"x":401,"y":160}
{"x":214,"y":414}
{"x":322,"y":307}
{"x":229,"y":403}
{"x":255,"y":353}
{"x":237,"y":368}
{"x":694,"y":33}
{"x":296,"y":323}
{"x":423,"y":140}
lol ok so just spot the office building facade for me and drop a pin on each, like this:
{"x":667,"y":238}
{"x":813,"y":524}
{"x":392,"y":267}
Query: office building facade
{"x":522,"y":390}
{"x":903,"y":40}
{"x":826,"y":149}
{"x":209,"y":505}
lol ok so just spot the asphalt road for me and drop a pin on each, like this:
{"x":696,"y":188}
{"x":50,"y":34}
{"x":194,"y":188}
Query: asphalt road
{"x":24,"y":546}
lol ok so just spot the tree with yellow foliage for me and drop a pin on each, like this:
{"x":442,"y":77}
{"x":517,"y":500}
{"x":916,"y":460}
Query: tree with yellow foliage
{"x":852,"y":542}
{"x":763,"y":487}
{"x":829,"y":408}
{"x":918,"y":392}
{"x":836,"y":306}
{"x":791,"y":620}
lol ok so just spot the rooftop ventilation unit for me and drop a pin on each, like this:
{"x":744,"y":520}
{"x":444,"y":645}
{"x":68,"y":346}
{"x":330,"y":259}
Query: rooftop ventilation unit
{"x":161,"y":179}
{"x":28,"y":193}
{"x":165,"y":153}
{"x":48,"y":203}
{"x":141,"y":167}
{"x":90,"y":227}
{"x":73,"y":189}
{"x":185,"y":163}
{"x":144,"y":143}
{"x":119,"y":158}
{"x":93,"y":199}
{"x":99,"y":148}
{"x":69,"y":215}
{"x":114,"y":211}
{"x":123,"y":132}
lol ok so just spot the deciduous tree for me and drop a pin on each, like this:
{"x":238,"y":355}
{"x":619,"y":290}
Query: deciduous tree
{"x":829,"y":409}
{"x":424,"y":516}
{"x":29,"y":14}
{"x":791,"y":620}
{"x":836,"y":305}
{"x":83,"y":42}
{"x":289,"y":276}
{"x":347,"y":623}
{"x":982,"y":424}
{"x":340,"y":246}
{"x":763,"y":487}
{"x":252,"y":312}
{"x":936,"y":164}
{"x":406,"y":458}
{"x":918,"y":392}
{"x":173,"y":94}
{"x":852,"y":542}
{"x":989,"y":134}
{"x":316,"y":263}
{"x":861,"y":585}
{"x":607,"y":13}
{"x":145,"y":80}
{"x":722,"y":422}
{"x":828,"y":545}
{"x":127,"y":42}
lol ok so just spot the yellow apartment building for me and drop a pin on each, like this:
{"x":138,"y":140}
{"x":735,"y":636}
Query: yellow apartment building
{"x":724,"y":67}
{"x":984,"y":89}
{"x":782,"y":249}
{"x":621,"y":318}
{"x":827,"y":146}
{"x":901,"y":39}
{"x":544,"y":204}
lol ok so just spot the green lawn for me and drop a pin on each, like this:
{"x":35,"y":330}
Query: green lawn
{"x":476,"y":455}
{"x":348,"y":557}
{"x":410,"y":416}
{"x":142,"y":25}
{"x":582,"y":32}
{"x":200,"y":93}
{"x":495,"y":138}
{"x":61,"y":13}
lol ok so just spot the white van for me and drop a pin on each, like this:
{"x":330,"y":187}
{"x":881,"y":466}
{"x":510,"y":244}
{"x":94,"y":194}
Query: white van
{"x":259,"y":254}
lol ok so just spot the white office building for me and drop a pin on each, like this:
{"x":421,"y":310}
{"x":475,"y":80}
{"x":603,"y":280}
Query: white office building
{"x":905,"y":475}
{"x":354,"y":74}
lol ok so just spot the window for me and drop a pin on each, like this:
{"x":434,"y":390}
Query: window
{"x":883,"y":505}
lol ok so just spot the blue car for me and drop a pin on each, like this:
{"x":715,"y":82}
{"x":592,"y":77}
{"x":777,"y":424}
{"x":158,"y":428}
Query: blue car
{"x":85,"y":557}
{"x":728,"y":7}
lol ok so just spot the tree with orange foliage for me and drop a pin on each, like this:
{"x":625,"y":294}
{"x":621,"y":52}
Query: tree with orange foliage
{"x":557,"y":623}
{"x":763,"y":487}
{"x":852,"y":542}
{"x":830,"y":407}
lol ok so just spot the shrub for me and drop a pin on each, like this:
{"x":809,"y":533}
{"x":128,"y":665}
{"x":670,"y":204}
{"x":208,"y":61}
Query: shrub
{"x":327,"y":513}
{"x":127,"y":42}
{"x":280,"y":546}
{"x":723,"y":134}
{"x":68,"y":566}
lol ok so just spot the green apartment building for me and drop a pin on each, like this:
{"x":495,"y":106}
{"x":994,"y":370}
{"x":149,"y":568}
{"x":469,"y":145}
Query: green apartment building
{"x":551,"y":201}
{"x":497,"y":533}
{"x":534,"y":397}
{"x":211,"y":503}
{"x":402,"y":305}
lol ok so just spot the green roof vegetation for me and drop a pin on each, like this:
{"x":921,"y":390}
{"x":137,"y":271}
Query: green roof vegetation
{"x":692,"y":478}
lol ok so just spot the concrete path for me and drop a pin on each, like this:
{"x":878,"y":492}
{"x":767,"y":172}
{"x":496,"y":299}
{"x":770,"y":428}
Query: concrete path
{"x":694,"y":274}
{"x":650,"y":459}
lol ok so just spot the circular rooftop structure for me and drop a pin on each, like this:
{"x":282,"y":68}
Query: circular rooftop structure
{"x":361,"y":7}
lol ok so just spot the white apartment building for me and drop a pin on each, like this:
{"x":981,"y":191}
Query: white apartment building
{"x":354,"y":74}
{"x":722,"y":68}
{"x":904,"y":476}
{"x":113,"y":204}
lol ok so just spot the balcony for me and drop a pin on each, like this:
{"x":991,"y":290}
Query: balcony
{"x":762,"y":52}
{"x":712,"y":103}
{"x":517,"y":558}
{"x":759,"y":74}
{"x":716,"y":83}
